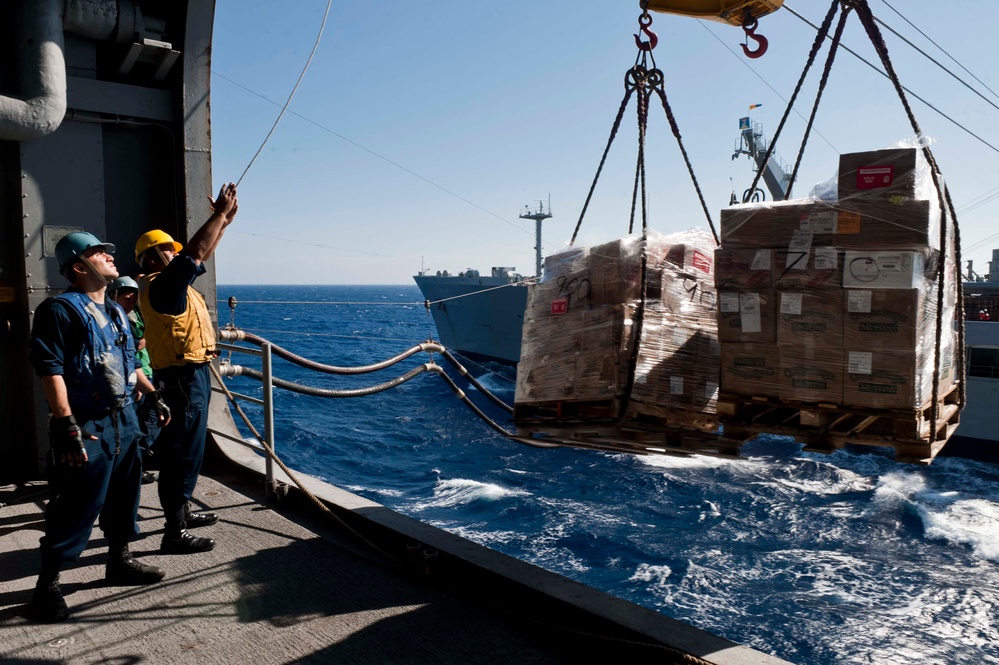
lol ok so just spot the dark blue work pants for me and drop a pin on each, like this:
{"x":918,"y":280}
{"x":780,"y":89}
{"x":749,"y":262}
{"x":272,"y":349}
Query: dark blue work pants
{"x":107,"y":486}
{"x":180,"y":447}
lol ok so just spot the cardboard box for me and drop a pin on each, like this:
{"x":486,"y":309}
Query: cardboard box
{"x":895,"y":269}
{"x":893,"y":379}
{"x":750,"y":370}
{"x":677,"y":385}
{"x":884,"y":224}
{"x":893,"y":319}
{"x":747,"y":315}
{"x":811,"y":374}
{"x":880,"y":174}
{"x":816,"y":267}
{"x":773,"y":225}
{"x":810,"y":317}
{"x":744,"y":268}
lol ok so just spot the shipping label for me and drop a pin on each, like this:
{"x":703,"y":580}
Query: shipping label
{"x":749,"y":306}
{"x":762,"y":260}
{"x":676,"y":385}
{"x":560,"y":305}
{"x":702,"y":262}
{"x":790,"y":303}
{"x":874,"y":177}
{"x":820,"y":222}
{"x":797,"y":251}
{"x":826,"y":258}
{"x":848,"y":222}
{"x":728,"y":302}
{"x":860,"y":362}
{"x":858,"y":302}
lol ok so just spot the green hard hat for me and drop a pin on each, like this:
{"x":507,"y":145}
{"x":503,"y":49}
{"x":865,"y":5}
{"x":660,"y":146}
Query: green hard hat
{"x":73,"y":244}
{"x":125,"y":282}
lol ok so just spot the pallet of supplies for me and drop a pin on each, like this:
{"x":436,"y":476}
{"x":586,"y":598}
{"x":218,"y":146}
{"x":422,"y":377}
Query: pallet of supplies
{"x":839,"y":343}
{"x":624,"y":332}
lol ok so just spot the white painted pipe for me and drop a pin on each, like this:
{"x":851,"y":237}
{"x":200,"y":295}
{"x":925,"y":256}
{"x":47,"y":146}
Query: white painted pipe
{"x":41,"y":74}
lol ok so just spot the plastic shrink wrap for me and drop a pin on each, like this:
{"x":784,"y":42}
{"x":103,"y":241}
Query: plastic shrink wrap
{"x":629,"y":325}
{"x":852,"y":291}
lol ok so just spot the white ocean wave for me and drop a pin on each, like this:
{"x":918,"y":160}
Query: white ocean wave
{"x":459,"y":491}
{"x":696,"y":462}
{"x":971,"y":522}
{"x":655,"y":576}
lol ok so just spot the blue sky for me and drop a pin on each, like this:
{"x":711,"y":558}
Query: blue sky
{"x":422,"y":129}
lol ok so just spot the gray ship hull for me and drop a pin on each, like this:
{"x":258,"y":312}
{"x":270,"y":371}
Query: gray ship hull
{"x":977,"y":437}
{"x":480,"y":316}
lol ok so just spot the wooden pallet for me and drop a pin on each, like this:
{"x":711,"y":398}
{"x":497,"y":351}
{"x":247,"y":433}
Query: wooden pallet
{"x":582,"y":410}
{"x":627,"y":438}
{"x":829,"y":427}
{"x":593,"y":425}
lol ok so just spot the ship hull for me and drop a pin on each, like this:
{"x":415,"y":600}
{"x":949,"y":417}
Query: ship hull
{"x":478,"y":316}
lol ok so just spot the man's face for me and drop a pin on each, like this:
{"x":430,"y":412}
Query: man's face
{"x":127,"y":298}
{"x":102,"y":261}
{"x":167,"y":251}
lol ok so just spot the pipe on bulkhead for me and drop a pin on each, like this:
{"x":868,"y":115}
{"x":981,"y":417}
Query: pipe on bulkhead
{"x":41,"y":74}
{"x":41,"y":64}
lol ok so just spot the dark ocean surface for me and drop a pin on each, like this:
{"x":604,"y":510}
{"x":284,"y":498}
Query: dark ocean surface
{"x":818,"y":559}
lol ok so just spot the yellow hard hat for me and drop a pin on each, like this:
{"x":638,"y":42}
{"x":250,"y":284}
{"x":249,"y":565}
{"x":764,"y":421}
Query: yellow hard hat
{"x":154,"y":238}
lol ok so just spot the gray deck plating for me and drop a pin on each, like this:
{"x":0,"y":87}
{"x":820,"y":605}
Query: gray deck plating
{"x":279,"y":590}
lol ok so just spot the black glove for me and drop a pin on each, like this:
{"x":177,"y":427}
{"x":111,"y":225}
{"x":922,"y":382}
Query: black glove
{"x":66,"y":436}
{"x":162,"y":410}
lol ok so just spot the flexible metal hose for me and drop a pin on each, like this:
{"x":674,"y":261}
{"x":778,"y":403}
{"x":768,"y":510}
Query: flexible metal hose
{"x":231,"y":335}
{"x":238,"y":370}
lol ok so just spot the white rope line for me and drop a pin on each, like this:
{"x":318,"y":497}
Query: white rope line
{"x":293,"y":91}
{"x":475,"y":293}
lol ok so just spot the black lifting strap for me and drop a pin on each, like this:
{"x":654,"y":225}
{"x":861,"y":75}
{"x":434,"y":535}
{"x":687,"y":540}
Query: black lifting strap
{"x":816,"y":45}
{"x":946,"y":208}
{"x":690,"y":169}
{"x":642,"y":85}
{"x":610,"y":140}
{"x":818,"y":98}
{"x":639,"y":79}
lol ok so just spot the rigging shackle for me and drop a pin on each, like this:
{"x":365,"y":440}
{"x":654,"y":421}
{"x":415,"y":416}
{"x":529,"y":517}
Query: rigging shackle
{"x":644,"y":21}
{"x":749,"y":25}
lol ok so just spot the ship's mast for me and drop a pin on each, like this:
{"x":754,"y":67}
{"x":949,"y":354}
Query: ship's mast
{"x":538,"y":216}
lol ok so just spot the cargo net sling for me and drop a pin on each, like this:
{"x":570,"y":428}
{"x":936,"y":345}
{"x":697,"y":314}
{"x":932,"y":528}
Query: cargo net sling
{"x":833,"y":318}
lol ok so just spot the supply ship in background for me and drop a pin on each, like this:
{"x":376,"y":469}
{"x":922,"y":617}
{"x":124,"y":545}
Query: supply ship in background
{"x":482,"y":316}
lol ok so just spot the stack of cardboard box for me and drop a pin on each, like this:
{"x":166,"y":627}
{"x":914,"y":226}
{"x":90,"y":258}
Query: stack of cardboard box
{"x":836,"y":302}
{"x":595,"y":331}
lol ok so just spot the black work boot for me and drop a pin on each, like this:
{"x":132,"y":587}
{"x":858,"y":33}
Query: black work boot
{"x":47,"y":604}
{"x":194,"y":520}
{"x":124,"y":570}
{"x":185,"y":543}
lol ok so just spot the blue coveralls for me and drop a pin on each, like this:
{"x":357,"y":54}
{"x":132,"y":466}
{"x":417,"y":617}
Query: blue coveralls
{"x":91,"y":347}
{"x":180,"y":447}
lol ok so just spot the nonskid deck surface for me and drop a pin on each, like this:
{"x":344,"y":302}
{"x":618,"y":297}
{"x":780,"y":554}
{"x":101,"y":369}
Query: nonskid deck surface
{"x":272,"y":591}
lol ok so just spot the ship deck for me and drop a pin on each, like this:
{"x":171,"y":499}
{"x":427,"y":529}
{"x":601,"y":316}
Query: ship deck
{"x":285,"y":585}
{"x":272,"y":591}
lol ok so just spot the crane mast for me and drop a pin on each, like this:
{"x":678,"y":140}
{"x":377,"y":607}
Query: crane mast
{"x":753,"y":142}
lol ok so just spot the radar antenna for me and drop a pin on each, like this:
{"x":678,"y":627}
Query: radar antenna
{"x":538,"y":215}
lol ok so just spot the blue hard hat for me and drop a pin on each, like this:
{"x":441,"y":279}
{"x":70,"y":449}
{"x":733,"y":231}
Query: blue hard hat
{"x":125,"y":282}
{"x":73,"y":244}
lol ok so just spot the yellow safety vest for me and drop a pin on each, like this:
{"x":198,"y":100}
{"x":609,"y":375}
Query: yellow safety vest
{"x":172,"y":341}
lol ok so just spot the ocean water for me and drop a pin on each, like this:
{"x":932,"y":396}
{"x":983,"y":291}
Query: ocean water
{"x":817,"y":559}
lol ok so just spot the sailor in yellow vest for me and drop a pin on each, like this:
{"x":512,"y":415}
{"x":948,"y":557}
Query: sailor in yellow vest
{"x":180,"y":337}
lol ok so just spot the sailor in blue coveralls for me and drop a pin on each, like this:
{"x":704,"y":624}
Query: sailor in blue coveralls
{"x":82,"y":349}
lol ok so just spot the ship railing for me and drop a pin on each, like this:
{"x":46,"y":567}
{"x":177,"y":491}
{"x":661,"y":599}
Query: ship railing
{"x":266,"y":401}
